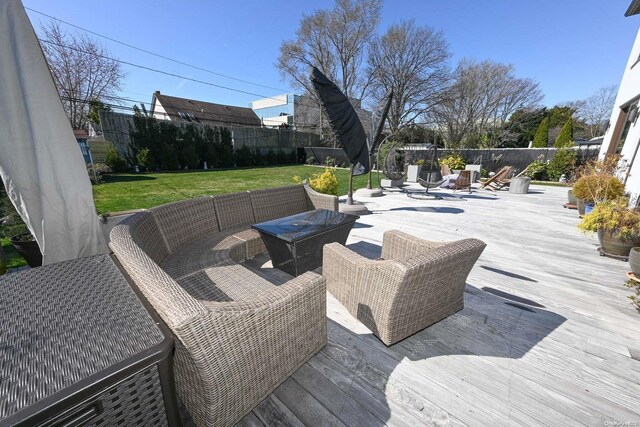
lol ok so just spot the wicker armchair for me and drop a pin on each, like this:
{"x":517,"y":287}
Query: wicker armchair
{"x":416,"y":284}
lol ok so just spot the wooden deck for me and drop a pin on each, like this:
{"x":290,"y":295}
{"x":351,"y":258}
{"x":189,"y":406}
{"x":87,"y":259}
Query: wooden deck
{"x":546,"y":337}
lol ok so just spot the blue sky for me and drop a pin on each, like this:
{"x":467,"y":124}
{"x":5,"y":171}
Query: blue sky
{"x":572,"y":47}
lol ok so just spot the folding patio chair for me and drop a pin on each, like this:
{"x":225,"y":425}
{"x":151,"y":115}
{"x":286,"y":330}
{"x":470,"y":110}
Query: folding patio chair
{"x":499,"y":180}
{"x":463,"y":181}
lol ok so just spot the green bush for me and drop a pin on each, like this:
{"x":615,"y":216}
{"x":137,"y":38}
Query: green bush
{"x":243,"y":156}
{"x":330,"y":161}
{"x":325,"y":182}
{"x":565,"y":138}
{"x":115,"y":161}
{"x":13,"y":224}
{"x":258,"y":158}
{"x":144,"y":158}
{"x":537,"y":170}
{"x":454,"y":161}
{"x":293,"y":157}
{"x":271,"y":158}
{"x":562,"y":163}
{"x":541,"y":140}
{"x":97,"y":171}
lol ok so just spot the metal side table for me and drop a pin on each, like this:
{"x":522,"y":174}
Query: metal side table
{"x":78,"y":347}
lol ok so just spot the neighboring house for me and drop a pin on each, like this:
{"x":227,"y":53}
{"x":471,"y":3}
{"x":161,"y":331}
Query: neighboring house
{"x":82,"y":137}
{"x":166,"y":107}
{"x":300,"y":112}
{"x":623,"y":135}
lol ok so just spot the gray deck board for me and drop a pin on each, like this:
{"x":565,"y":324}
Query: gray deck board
{"x":565,"y":362}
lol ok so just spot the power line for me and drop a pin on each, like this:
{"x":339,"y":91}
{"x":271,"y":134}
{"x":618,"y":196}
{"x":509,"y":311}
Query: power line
{"x":153,"y":53}
{"x":155,"y":70}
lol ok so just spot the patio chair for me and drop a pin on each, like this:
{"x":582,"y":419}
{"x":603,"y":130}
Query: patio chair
{"x":416,"y":284}
{"x":499,"y":180}
{"x":444,"y":170}
{"x":463,"y":181}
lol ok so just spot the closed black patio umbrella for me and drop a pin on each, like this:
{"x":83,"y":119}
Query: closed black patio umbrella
{"x":345,"y":123}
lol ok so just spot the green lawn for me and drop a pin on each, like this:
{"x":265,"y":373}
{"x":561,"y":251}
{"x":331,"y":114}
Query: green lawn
{"x":14,"y":259}
{"x":135,"y":191}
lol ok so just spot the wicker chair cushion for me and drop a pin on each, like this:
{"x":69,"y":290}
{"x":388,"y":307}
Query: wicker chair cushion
{"x":275,"y":203}
{"x":185,"y":221}
{"x":233,"y":210}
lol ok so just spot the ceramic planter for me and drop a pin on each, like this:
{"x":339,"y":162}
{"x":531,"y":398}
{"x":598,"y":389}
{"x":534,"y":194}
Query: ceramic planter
{"x":580,"y":203}
{"x":634,"y":261}
{"x":413,"y":171}
{"x":588,"y":207}
{"x":613,"y":244}
{"x":573,"y":200}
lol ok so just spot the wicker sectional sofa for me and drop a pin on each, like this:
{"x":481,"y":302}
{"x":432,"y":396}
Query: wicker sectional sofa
{"x":238,"y":336}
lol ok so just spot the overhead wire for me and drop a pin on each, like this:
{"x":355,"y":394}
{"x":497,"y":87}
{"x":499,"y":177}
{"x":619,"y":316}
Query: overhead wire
{"x":153,"y":53}
{"x":144,"y":67}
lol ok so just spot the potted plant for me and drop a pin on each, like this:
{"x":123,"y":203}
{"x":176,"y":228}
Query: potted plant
{"x":455,"y":162}
{"x":634,"y":261}
{"x":596,"y":182}
{"x":618,"y":227}
{"x":594,"y":189}
{"x":17,"y":232}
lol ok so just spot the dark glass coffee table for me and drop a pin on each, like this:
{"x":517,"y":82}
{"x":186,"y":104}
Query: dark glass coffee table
{"x":295,"y":242}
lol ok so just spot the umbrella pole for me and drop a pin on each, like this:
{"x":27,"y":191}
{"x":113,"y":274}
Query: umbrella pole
{"x":369,"y":186}
{"x":350,"y":193}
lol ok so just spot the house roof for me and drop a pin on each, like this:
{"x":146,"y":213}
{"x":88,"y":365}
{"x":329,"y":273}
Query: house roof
{"x":634,"y":8}
{"x":192,"y":110}
{"x":80,"y":134}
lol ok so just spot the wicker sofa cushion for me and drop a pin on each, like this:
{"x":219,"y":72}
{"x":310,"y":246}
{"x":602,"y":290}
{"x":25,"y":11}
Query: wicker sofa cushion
{"x":212,"y":249}
{"x":185,"y":221}
{"x":146,"y":234}
{"x":275,"y":203}
{"x":233,"y":210}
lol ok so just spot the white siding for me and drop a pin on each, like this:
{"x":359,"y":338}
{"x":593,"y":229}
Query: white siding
{"x":158,"y":111}
{"x":628,"y":90}
{"x":269,"y":102}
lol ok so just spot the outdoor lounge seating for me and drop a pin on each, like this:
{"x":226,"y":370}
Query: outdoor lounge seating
{"x":463,"y":182}
{"x":417,"y":282}
{"x":238,"y":336}
{"x":499,"y":180}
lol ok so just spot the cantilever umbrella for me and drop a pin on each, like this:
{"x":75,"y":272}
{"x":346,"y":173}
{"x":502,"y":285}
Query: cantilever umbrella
{"x":40,"y":161}
{"x":345,"y":123}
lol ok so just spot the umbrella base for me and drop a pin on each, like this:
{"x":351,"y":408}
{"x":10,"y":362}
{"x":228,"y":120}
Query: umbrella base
{"x":365,"y":192}
{"x":355,"y":209}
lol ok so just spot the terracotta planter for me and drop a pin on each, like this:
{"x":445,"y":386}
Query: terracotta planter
{"x":573,"y":200}
{"x":634,"y":260}
{"x":612,"y":244}
{"x":29,"y":250}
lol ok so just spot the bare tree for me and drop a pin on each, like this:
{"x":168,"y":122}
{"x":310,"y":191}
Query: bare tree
{"x":480,"y":101}
{"x":596,"y":109}
{"x":335,"y":41}
{"x":411,"y":61}
{"x":81,"y":69}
